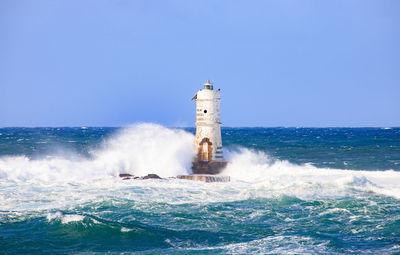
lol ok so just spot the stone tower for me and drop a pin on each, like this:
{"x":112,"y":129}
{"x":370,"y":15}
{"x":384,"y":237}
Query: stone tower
{"x":209,"y":158}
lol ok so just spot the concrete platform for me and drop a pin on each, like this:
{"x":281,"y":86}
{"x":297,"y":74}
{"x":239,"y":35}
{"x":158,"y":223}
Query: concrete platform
{"x":208,"y":167}
{"x":205,"y":178}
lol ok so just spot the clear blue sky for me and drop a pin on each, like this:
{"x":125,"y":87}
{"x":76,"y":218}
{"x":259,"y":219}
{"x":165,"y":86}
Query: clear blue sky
{"x":278,"y":63}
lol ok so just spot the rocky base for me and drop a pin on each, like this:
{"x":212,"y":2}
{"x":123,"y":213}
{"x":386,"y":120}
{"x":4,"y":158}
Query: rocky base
{"x":208,"y":167}
{"x":192,"y":177}
{"x":205,"y":178}
{"x":129,"y":177}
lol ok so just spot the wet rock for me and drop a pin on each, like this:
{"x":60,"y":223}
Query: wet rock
{"x":130,"y":176}
{"x":126,"y":176}
{"x":151,"y":176}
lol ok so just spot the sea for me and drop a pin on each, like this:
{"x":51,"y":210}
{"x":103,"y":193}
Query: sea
{"x":292,"y":191}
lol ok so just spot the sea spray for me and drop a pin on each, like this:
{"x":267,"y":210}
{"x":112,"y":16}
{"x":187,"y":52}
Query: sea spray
{"x":148,"y":148}
{"x":281,"y":177}
{"x":139,"y":149}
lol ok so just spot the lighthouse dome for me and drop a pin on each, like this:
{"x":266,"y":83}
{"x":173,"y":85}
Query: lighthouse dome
{"x":208,"y":85}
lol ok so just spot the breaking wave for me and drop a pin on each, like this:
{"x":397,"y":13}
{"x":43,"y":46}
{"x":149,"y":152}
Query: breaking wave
{"x":70,"y":204}
{"x":149,"y":148}
{"x":139,"y":150}
{"x":283,"y":177}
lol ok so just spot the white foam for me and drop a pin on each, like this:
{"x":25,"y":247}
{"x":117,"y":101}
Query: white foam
{"x":260,"y":170}
{"x":335,"y":210}
{"x":139,"y":150}
{"x":65,"y":219}
{"x":148,"y":148}
{"x":123,"y":229}
{"x":72,"y":218}
{"x":53,"y":216}
{"x":61,"y":183}
{"x":273,"y":245}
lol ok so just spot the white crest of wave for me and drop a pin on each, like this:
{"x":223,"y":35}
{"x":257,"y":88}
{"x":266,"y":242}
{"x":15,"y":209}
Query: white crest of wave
{"x":140,"y":149}
{"x":282,"y":177}
{"x":257,"y":166}
{"x":148,"y":148}
{"x":65,"y":219}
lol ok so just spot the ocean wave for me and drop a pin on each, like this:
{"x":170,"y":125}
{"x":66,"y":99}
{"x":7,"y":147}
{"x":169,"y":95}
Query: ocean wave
{"x":148,"y":148}
{"x":270,"y":205}
{"x":140,"y":149}
{"x":65,"y":219}
{"x":258,"y":168}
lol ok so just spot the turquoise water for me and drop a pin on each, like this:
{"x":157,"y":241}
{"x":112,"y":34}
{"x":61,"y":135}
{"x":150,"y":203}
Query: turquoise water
{"x":293,"y":190}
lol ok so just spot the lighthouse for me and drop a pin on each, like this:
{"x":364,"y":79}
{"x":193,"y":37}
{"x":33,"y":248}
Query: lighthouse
{"x":209,"y":159}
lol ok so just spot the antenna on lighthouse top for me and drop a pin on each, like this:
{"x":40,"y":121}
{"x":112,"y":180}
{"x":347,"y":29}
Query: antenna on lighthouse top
{"x":208,"y":85}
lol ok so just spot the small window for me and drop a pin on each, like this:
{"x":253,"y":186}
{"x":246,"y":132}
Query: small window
{"x":205,"y":111}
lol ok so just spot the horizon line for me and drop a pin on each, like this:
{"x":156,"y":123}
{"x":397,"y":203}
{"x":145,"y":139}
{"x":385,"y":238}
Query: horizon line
{"x":167,"y":126}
